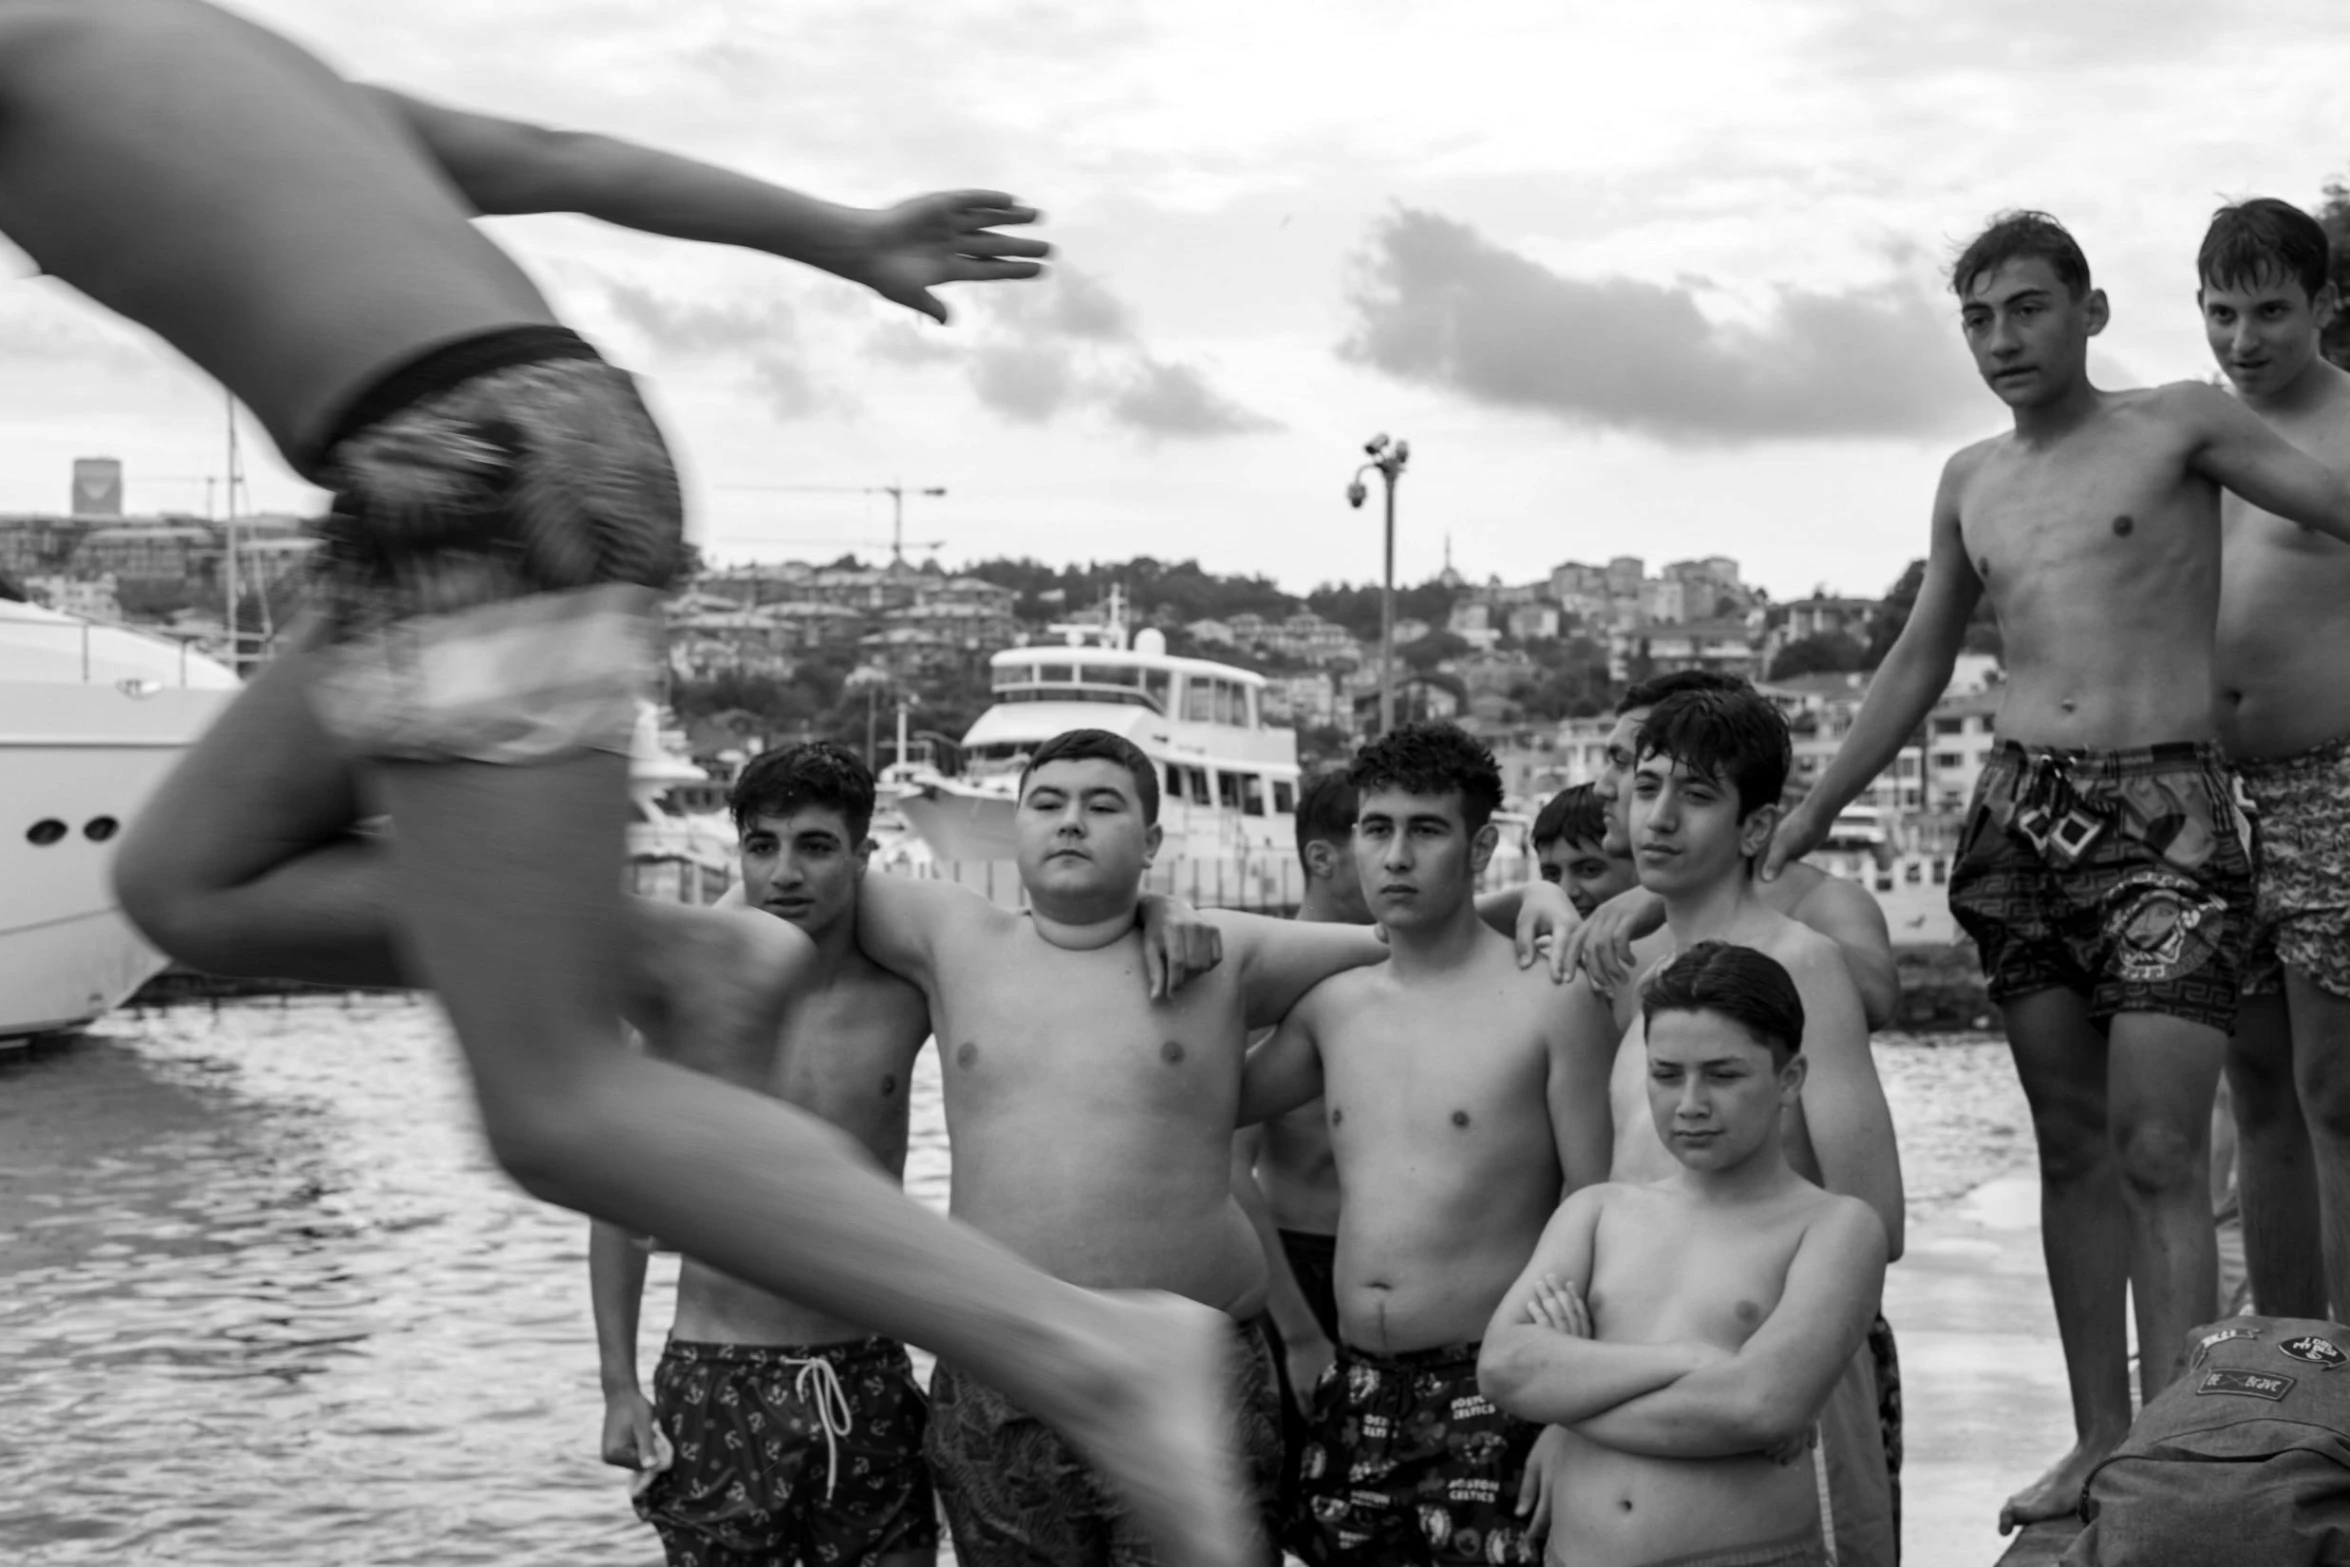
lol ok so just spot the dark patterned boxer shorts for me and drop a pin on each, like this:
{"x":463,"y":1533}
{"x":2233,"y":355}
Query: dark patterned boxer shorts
{"x":2125,"y":876}
{"x":1410,"y":1463}
{"x":505,"y":517}
{"x":805,"y":1454}
{"x":1017,"y":1495}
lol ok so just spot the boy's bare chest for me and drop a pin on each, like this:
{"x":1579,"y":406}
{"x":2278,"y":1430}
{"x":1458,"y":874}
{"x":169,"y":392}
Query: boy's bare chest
{"x":848,"y":1055}
{"x":1423,"y":1066}
{"x":1662,"y":1271}
{"x":2111,"y":505}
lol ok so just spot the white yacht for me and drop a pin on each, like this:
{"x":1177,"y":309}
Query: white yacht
{"x":92,"y":715}
{"x":681,"y":838}
{"x":1227,"y":778}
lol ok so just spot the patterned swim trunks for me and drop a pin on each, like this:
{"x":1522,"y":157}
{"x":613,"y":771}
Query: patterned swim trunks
{"x":1410,"y":1463}
{"x":505,"y":516}
{"x":809,"y":1454}
{"x":2302,"y":911}
{"x":1017,"y":1495}
{"x":2123,"y":875}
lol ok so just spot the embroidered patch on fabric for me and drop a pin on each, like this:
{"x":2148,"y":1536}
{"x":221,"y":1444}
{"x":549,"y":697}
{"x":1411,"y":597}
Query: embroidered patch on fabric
{"x":2315,"y":1351}
{"x":2249,"y":1383}
{"x":2203,"y":1346}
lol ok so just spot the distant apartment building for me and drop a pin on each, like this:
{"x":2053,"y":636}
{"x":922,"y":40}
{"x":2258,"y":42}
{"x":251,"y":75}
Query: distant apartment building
{"x":1534,"y":622}
{"x":92,"y":598}
{"x":1828,"y":617}
{"x":1958,"y":742}
{"x":1724,"y":646}
{"x":1306,"y":635}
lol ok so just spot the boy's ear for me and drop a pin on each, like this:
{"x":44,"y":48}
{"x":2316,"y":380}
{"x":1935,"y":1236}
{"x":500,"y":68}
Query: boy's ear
{"x":1754,"y":833}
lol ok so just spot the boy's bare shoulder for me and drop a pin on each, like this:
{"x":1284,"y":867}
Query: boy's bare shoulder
{"x":1796,"y":945}
{"x":1833,"y":1216}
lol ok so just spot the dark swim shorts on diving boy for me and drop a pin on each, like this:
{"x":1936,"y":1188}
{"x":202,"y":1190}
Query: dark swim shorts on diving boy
{"x":807,"y":1454}
{"x":2126,"y":876}
{"x":505,"y":518}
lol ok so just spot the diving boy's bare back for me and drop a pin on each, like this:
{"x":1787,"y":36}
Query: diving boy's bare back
{"x":283,"y":229}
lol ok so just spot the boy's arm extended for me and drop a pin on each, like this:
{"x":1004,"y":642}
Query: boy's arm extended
{"x":616,"y":1289}
{"x":1537,"y":1372}
{"x":1284,"y":1070}
{"x":1280,"y":960}
{"x":1844,"y":1106}
{"x":506,"y":166}
{"x":1906,"y":685}
{"x":2238,"y":450}
{"x":1774,"y":1387}
{"x":901,"y":920}
{"x":1582,"y":1057}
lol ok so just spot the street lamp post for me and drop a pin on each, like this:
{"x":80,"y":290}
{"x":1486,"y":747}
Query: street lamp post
{"x":1389,"y":460}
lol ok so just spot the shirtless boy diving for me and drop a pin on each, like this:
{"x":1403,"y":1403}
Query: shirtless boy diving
{"x":797,"y":1437}
{"x":1464,"y":1095}
{"x":1681,"y":1334}
{"x":2105,"y":872}
{"x":505,"y":518}
{"x":2283,"y":662}
{"x":1709,"y":768}
{"x":1092,"y":1125}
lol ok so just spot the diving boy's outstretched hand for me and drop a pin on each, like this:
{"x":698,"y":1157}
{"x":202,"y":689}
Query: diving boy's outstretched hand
{"x":905,"y":251}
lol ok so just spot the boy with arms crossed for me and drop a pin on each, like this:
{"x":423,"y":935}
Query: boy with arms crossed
{"x":1464,"y":1096}
{"x":2283,"y":658}
{"x":797,"y":1437}
{"x":1676,"y":1393}
{"x":2105,"y":871}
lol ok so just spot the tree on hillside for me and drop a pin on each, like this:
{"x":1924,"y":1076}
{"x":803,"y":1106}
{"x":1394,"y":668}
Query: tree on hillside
{"x":1885,"y":626}
{"x":1432,"y":650}
{"x":1357,"y":609}
{"x":1832,"y":654}
{"x":2334,"y":214}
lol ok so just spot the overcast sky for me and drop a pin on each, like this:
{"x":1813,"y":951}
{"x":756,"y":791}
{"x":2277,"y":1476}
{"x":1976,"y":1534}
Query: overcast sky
{"x":1658,"y":279}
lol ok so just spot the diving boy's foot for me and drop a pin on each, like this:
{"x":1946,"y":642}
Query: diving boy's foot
{"x":2057,"y":1494}
{"x":1162,"y":1430}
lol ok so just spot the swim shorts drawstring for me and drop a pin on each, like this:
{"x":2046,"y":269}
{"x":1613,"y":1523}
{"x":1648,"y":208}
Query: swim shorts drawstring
{"x":832,"y":1410}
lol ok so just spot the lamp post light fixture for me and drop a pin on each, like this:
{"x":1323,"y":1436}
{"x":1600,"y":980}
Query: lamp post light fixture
{"x":1389,"y":460}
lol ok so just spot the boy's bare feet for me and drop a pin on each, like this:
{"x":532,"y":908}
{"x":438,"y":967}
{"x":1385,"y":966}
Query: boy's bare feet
{"x":1159,"y":1424}
{"x":2057,"y":1494}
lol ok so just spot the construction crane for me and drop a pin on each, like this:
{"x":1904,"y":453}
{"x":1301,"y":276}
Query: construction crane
{"x":897,"y":494}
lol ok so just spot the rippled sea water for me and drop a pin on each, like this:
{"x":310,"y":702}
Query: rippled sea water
{"x":264,"y":1299}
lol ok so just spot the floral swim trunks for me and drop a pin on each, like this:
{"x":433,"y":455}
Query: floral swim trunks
{"x":810,"y":1455}
{"x":2123,"y":875}
{"x":505,"y":517}
{"x":2302,"y":911}
{"x":1410,"y":1463}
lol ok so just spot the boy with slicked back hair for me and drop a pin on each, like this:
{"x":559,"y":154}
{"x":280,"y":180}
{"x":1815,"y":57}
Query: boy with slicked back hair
{"x":2283,"y":656}
{"x":2105,"y":869}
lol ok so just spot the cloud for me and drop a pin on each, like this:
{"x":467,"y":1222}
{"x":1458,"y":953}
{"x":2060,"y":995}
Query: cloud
{"x":1068,"y":345}
{"x":1176,"y":400}
{"x":1438,"y":303}
{"x":763,"y":334}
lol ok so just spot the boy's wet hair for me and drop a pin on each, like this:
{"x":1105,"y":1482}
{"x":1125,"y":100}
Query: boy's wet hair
{"x":1734,"y":737}
{"x":1749,"y":988}
{"x":1099,"y":745}
{"x":2022,"y":235}
{"x":2251,"y":241}
{"x":793,"y":777}
{"x":1325,"y":809}
{"x":1431,"y":760}
{"x":1572,"y":814}
{"x":1647,"y":693}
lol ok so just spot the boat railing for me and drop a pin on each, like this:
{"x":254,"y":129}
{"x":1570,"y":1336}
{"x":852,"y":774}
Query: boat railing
{"x":78,"y":631}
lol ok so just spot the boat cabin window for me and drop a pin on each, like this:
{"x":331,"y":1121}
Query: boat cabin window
{"x":1284,"y":797}
{"x":1107,"y":674}
{"x":1157,"y":684}
{"x":1056,"y":674}
{"x":1228,"y":791}
{"x":1199,"y":700}
{"x":1252,"y":795}
{"x":1199,"y":784}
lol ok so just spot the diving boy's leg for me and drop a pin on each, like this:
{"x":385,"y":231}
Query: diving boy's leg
{"x":244,"y":862}
{"x":504,"y":879}
{"x":2084,"y":1235}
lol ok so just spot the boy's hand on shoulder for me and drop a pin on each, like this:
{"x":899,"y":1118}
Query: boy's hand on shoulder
{"x":1544,"y":910}
{"x":903,"y":252}
{"x":1602,"y":945}
{"x":1798,"y":833}
{"x":1179,"y":944}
